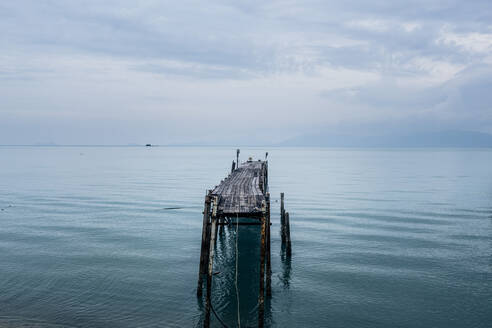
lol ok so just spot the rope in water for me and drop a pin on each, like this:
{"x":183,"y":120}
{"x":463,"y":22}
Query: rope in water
{"x":217,"y":316}
{"x":235,"y":282}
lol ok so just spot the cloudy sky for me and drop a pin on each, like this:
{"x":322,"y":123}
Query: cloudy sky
{"x":119,"y":72}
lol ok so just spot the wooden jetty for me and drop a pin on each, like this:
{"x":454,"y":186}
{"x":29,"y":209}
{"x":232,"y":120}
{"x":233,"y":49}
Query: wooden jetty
{"x":242,"y":194}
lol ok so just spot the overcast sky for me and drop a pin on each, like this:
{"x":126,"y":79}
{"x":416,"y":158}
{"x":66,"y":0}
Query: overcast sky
{"x":119,"y":72}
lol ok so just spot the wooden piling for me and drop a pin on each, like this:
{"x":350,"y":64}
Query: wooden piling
{"x":261,"y":296}
{"x":204,"y":251}
{"x":213,"y":231}
{"x":221,"y":224}
{"x":214,"y":214}
{"x":233,"y":166}
{"x":282,"y":217}
{"x":287,"y":234}
{"x":282,"y":208}
{"x":265,"y":176}
{"x":268,"y":250}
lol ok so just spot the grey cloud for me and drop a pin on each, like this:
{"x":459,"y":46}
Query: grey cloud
{"x":239,"y":36}
{"x":388,"y":95}
{"x":465,"y":100}
{"x":182,"y":33}
{"x":118,"y":58}
{"x":469,"y":94}
{"x":195,"y":71}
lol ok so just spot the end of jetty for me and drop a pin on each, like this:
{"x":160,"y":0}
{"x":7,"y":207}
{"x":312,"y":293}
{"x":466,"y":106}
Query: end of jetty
{"x":242,"y":194}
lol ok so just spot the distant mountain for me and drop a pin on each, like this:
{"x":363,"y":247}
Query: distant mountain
{"x":445,"y":139}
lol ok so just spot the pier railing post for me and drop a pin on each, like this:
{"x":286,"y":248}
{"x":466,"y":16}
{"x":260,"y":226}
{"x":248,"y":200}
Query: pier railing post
{"x":204,"y":250}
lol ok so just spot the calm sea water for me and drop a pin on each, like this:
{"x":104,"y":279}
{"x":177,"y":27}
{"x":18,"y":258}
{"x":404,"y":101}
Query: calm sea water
{"x":110,"y":237}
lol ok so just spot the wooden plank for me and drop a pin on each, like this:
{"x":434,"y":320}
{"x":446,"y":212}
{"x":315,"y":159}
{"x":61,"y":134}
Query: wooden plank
{"x":242,"y":192}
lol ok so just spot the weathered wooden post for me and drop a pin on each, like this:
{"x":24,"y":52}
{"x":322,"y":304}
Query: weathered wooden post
{"x":282,"y":217}
{"x":213,"y":232}
{"x":233,"y":166}
{"x":268,"y":250}
{"x":214,"y":214}
{"x":221,"y":225}
{"x":287,"y":234}
{"x":261,"y":296}
{"x":285,"y":228}
{"x":204,"y":249}
{"x":265,"y":177}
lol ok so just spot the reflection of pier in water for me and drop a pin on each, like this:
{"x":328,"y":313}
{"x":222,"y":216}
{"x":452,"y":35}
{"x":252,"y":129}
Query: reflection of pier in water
{"x":224,"y":289}
{"x":240,"y":199}
{"x":286,"y":260}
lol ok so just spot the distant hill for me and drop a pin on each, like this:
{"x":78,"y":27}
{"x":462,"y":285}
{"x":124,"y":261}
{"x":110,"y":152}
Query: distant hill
{"x":446,"y":139}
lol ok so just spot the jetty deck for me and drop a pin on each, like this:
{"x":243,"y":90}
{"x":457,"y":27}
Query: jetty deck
{"x":243,"y":195}
{"x":243,"y":192}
